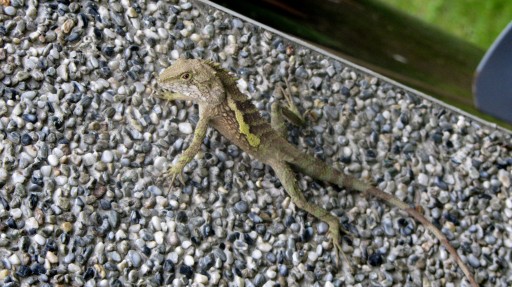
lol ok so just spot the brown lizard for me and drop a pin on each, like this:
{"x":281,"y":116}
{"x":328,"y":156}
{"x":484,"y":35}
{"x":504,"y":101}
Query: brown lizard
{"x":223,"y":107}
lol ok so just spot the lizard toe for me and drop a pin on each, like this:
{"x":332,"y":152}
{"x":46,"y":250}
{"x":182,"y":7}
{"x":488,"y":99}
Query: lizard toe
{"x":335,"y":232}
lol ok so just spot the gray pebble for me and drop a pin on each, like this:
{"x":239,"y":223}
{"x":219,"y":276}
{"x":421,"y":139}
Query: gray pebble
{"x":241,"y":206}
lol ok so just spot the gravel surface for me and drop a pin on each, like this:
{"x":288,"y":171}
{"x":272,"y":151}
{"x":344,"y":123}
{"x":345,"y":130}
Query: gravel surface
{"x":83,"y":143}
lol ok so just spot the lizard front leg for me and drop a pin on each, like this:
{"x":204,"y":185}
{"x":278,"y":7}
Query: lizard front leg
{"x":287,"y":178}
{"x":187,"y":155}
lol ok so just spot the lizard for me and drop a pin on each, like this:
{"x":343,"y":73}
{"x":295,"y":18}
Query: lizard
{"x":222,"y":106}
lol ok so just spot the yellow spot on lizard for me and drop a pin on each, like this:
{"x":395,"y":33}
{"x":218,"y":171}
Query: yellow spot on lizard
{"x":253,"y":139}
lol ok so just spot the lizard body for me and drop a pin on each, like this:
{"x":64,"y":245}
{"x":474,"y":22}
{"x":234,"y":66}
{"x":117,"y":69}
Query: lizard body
{"x":223,"y":107}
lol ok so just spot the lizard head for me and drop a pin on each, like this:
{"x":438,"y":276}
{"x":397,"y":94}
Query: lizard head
{"x":192,"y":80}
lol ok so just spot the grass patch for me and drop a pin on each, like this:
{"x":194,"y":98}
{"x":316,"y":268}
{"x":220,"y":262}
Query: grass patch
{"x":476,"y":21}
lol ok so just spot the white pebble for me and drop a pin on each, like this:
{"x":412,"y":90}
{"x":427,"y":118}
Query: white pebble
{"x":46,"y":170}
{"x":186,"y":244}
{"x":264,"y":246}
{"x":18,"y":177}
{"x":175,"y":54}
{"x":9,"y":10}
{"x":89,"y":159}
{"x":107,"y":156}
{"x":156,"y":223}
{"x":61,"y":180}
{"x":270,"y":274}
{"x":53,"y":160}
{"x":189,"y":260}
{"x":256,"y":254}
{"x":31,"y":223}
{"x":200,"y":278}
{"x":242,"y":85}
{"x":173,"y":256}
{"x":39,"y":239}
{"x":159,"y":162}
{"x":73,"y":268}
{"x":52,"y":258}
{"x":159,"y":237}
{"x":162,"y":33}
{"x":14,"y":259}
{"x":214,"y":278}
{"x":16,"y":213}
{"x":185,"y":128}
{"x":313,"y":256}
{"x":174,"y":240}
{"x":121,"y":235}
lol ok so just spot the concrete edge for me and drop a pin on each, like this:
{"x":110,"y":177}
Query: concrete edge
{"x":355,"y":66}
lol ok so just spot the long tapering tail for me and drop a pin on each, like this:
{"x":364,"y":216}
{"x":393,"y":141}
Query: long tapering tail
{"x":320,"y":170}
{"x":369,"y":190}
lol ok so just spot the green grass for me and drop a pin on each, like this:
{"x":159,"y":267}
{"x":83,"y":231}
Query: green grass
{"x":476,"y":21}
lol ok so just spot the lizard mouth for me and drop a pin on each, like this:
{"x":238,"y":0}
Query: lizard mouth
{"x":170,"y":95}
{"x":162,"y":92}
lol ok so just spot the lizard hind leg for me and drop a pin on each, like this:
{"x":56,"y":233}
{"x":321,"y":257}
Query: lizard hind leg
{"x":288,"y":111}
{"x":287,"y":178}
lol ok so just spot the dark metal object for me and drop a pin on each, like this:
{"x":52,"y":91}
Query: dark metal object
{"x":493,"y":80}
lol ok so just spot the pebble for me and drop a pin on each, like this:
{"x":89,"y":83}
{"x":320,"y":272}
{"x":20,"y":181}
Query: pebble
{"x":107,"y":156}
{"x":52,"y":258}
{"x":504,"y":177}
{"x":9,"y":10}
{"x":14,"y":259}
{"x":189,"y":260}
{"x":4,"y":273}
{"x":185,"y":128}
{"x":83,"y":143}
{"x":39,"y":239}
{"x":241,"y":207}
{"x":264,"y":246}
{"x":135,"y":258}
{"x":53,"y":160}
{"x":256,"y":254}
{"x":423,"y":179}
{"x":200,"y":278}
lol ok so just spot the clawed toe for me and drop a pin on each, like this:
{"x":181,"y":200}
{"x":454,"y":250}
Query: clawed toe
{"x":335,"y":232}
{"x":170,"y":176}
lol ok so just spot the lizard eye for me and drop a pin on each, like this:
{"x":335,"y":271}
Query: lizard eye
{"x":185,"y":76}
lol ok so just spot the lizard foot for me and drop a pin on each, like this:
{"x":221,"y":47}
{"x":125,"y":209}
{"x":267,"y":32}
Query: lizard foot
{"x":174,"y":172}
{"x":335,"y":232}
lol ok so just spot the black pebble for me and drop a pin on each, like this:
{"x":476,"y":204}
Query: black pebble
{"x":26,"y":139}
{"x":89,"y":274}
{"x":11,"y":223}
{"x":23,"y":271}
{"x":375,"y":259}
{"x":38,"y":269}
{"x":181,"y":217}
{"x":187,"y":271}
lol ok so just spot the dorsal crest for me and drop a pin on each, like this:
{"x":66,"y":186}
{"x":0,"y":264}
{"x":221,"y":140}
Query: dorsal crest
{"x":218,"y":68}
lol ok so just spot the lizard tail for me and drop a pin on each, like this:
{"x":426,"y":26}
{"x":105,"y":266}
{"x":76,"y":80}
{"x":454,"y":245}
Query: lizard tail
{"x":319,"y":170}
{"x":370,"y":190}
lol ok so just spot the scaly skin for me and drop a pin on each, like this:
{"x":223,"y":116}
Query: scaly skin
{"x":223,"y":107}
